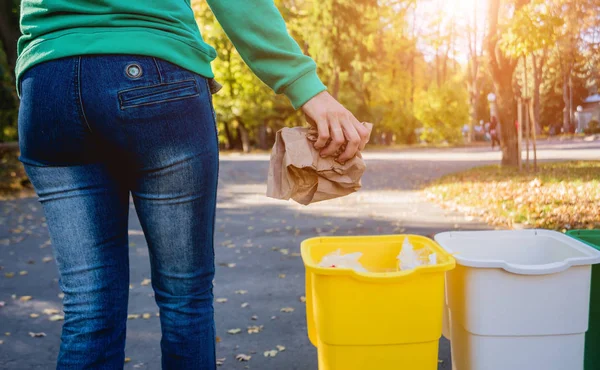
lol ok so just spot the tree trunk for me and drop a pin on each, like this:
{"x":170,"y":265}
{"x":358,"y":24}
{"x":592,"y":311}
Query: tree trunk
{"x":230,"y":139}
{"x":506,"y":118}
{"x":244,"y":137}
{"x":502,"y":69}
{"x":566,"y":101}
{"x":538,"y":66}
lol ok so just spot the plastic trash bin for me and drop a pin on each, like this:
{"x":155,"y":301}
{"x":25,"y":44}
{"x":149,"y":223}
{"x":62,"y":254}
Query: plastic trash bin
{"x":592,"y":337}
{"x":374,"y":320}
{"x":518,"y":300}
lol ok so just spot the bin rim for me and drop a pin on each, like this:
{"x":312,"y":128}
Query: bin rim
{"x":592,"y":255}
{"x":379,"y":277}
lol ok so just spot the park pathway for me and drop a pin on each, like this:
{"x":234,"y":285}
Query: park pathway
{"x":259,"y":271}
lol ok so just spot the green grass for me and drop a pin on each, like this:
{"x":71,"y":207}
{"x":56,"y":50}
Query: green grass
{"x":559,"y":196}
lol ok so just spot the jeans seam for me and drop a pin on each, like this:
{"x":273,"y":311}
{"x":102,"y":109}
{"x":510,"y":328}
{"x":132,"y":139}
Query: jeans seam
{"x":78,"y":92}
{"x":158,"y":70}
{"x":212,"y":109}
{"x":123,"y":107}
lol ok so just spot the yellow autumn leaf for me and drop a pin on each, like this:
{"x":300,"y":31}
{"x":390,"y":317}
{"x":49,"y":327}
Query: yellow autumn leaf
{"x":243,"y":357}
{"x":287,"y":309}
{"x":254,"y":329}
{"x":146,"y":316}
{"x":221,"y":300}
{"x":56,"y":318}
{"x":280,"y":348}
{"x":50,"y":311}
{"x":271,"y":353}
{"x":234,"y":331}
{"x":25,"y":298}
{"x":34,"y":315}
{"x":145,"y":282}
{"x":241,"y":292}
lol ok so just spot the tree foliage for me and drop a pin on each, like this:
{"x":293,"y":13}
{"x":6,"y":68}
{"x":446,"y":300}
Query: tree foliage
{"x":414,"y":69}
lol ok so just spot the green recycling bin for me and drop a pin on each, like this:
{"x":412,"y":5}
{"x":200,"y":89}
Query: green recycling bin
{"x":592,"y":337}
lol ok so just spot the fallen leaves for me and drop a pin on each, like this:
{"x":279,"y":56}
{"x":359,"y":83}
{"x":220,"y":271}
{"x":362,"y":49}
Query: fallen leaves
{"x":9,"y":274}
{"x":255,"y":329}
{"x":23,"y":273}
{"x":280,"y":348}
{"x":245,"y":304}
{"x":47,"y":259}
{"x":243,"y":357}
{"x":303,"y":299}
{"x":146,"y":316}
{"x":37,"y":335}
{"x":234,"y":331}
{"x":56,"y":318}
{"x":241,"y":292}
{"x":221,"y":300}
{"x":133,"y":316}
{"x":282,"y":276}
{"x":34,"y":315}
{"x":270,"y":353}
{"x":287,"y":309}
{"x":145,"y":282}
{"x":561,"y":196}
{"x":25,"y":298}
{"x":220,"y":361}
{"x":50,"y":311}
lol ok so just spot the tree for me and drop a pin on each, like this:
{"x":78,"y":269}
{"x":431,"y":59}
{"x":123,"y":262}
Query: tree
{"x":502,"y":67}
{"x":9,"y":30}
{"x":443,"y":111}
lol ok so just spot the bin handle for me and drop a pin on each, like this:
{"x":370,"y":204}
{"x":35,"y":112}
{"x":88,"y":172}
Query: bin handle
{"x":548,"y":268}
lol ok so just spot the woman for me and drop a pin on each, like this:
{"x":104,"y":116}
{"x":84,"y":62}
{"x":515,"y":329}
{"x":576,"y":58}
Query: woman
{"x":115,"y":99}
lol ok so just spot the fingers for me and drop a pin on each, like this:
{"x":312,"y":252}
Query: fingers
{"x":364,"y":132}
{"x":353,"y":139}
{"x":323,"y":130}
{"x":337,"y":137}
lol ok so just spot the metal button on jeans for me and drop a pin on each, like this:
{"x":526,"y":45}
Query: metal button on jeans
{"x":133,"y":70}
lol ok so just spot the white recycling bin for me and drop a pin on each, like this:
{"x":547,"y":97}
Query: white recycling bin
{"x":517,"y":300}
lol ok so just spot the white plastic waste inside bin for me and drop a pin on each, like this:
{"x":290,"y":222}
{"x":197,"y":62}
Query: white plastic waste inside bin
{"x":517,"y":300}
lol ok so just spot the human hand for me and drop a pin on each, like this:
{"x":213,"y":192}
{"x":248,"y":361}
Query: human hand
{"x":335,"y":122}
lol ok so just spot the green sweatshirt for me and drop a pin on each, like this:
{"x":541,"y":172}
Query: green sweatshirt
{"x":167,"y":29}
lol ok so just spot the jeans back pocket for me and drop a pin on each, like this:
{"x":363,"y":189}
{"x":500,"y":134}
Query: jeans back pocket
{"x":160,"y":93}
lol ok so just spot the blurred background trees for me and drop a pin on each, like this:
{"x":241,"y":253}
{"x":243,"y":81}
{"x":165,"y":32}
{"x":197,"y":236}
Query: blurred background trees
{"x":420,"y":70}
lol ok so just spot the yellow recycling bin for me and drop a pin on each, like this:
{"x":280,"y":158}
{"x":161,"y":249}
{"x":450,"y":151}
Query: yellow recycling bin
{"x":383,"y":319}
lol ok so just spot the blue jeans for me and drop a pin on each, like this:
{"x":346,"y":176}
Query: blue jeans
{"x":92,"y":130}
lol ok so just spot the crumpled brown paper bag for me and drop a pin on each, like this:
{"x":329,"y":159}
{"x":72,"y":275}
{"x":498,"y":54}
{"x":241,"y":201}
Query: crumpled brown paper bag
{"x":297,"y":171}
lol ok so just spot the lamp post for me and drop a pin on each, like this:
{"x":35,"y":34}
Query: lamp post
{"x":578,"y":114}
